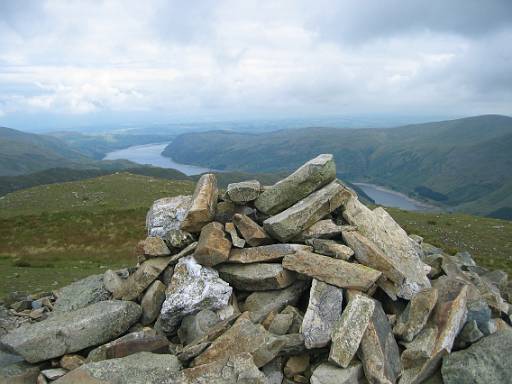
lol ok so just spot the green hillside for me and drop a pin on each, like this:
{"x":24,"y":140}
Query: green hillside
{"x":52,"y":235}
{"x":458,"y":163}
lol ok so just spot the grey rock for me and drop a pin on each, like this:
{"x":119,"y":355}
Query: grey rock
{"x":469,"y":335}
{"x":327,"y":373}
{"x":324,"y":310}
{"x":195,"y":326}
{"x":487,"y":361}
{"x":81,"y":294}
{"x":332,"y":271}
{"x":155,"y":246}
{"x":379,"y":351}
{"x":308,"y":178}
{"x":415,"y":316}
{"x":281,"y":323}
{"x":331,"y":248}
{"x":72,"y":331}
{"x":260,"y":304}
{"x":203,"y":206}
{"x":322,"y":229}
{"x":193,"y":287}
{"x":256,"y":277}
{"x":264,"y":253}
{"x":152,"y":302}
{"x":213,"y":247}
{"x":349,"y":330}
{"x":54,"y":373}
{"x":19,"y":373}
{"x":296,"y":365}
{"x":235,"y":239}
{"x":244,"y":191}
{"x":403,"y":252}
{"x":146,"y":340}
{"x":289,"y":223}
{"x":298,"y":318}
{"x":479,"y":311}
{"x":273,"y":371}
{"x":7,"y":358}
{"x":251,"y":231}
{"x":167,"y":214}
{"x":226,"y":210}
{"x":139,"y":368}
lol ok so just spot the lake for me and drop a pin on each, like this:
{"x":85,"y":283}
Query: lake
{"x":152,"y":154}
{"x":389,"y":198}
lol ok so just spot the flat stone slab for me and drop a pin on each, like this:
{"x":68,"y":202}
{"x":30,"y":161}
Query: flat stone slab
{"x":324,"y":310}
{"x":322,"y":229}
{"x":251,"y":231}
{"x":331,"y":248}
{"x":332,"y":271}
{"x":244,"y":191}
{"x":327,"y":373}
{"x":80,"y":294}
{"x":415,"y":316}
{"x":264,"y":253}
{"x":257,"y":277}
{"x":291,"y":222}
{"x":349,"y":330}
{"x":204,"y":204}
{"x":72,"y":331}
{"x":308,"y":178}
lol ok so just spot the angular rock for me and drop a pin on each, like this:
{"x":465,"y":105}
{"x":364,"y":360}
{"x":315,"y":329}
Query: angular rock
{"x":260,"y":304}
{"x":296,"y":365}
{"x":403,"y":252}
{"x":72,"y":331}
{"x":235,"y":239}
{"x":236,"y":368}
{"x":244,"y":191}
{"x":71,"y":362}
{"x":256,"y":277}
{"x":379,"y":351}
{"x":324,"y":310}
{"x":281,"y":323}
{"x":298,"y":318}
{"x":142,"y":341}
{"x":213,"y":247}
{"x":243,"y":336}
{"x":308,"y":178}
{"x":264,"y":253}
{"x":367,"y":253}
{"x":332,"y":271}
{"x":487,"y":361}
{"x":152,"y":302}
{"x":289,"y":223}
{"x":273,"y":371}
{"x":139,"y":368}
{"x":416,"y":314}
{"x":469,"y":335}
{"x":322,"y":229}
{"x":177,"y":239}
{"x":203,"y":206}
{"x":19,"y":373}
{"x":226,"y":210}
{"x":331,"y":248}
{"x":167,"y":214}
{"x":193,"y":287}
{"x":54,"y":373}
{"x":479,"y":311}
{"x":327,"y":373}
{"x":113,"y":283}
{"x":251,"y":231}
{"x":81,"y":294}
{"x":195,"y":326}
{"x":349,"y":330}
{"x":155,"y":246}
{"x":136,"y":283}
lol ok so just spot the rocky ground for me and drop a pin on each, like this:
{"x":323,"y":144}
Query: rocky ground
{"x":293,"y":283}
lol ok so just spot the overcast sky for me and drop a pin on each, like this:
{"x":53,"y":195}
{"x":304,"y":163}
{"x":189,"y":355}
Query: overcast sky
{"x":93,"y":62}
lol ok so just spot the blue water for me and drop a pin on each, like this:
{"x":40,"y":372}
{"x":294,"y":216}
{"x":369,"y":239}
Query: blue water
{"x":152,"y":154}
{"x":388,"y":198}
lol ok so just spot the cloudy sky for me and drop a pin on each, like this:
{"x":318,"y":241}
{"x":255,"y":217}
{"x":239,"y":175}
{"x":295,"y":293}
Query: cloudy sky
{"x":92,"y":62}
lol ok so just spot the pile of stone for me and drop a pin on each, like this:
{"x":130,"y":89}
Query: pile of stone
{"x":298,"y":282}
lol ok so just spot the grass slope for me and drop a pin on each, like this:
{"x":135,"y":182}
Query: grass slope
{"x":458,"y":162}
{"x":52,"y":235}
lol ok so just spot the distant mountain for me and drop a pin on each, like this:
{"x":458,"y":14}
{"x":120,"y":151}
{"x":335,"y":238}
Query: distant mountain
{"x":462,"y":164}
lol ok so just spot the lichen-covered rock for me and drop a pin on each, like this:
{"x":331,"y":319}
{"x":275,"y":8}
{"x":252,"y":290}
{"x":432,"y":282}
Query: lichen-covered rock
{"x":265,"y":253}
{"x":257,"y":277}
{"x":332,"y":271}
{"x":244,"y":191}
{"x":324,"y":310}
{"x":308,"y":178}
{"x":412,"y":320}
{"x":81,"y":294}
{"x":139,"y":368}
{"x":19,"y":373}
{"x":203,"y":206}
{"x":72,"y":331}
{"x":251,"y":231}
{"x":322,"y":229}
{"x":291,"y":222}
{"x":213,"y":247}
{"x":193,"y":287}
{"x":167,"y":214}
{"x":331,"y":248}
{"x":488,"y":361}
{"x":349,"y":330}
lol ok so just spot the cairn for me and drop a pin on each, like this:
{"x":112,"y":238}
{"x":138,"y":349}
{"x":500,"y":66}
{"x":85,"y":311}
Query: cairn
{"x":298,"y":282}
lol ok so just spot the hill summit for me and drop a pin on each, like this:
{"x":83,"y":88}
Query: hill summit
{"x":298,"y":282}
